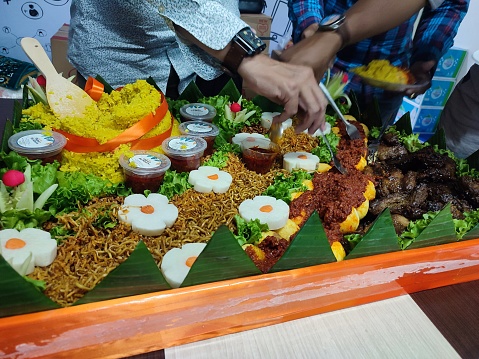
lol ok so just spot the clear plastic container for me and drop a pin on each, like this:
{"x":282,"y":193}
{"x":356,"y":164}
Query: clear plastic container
{"x":144,"y":170}
{"x":259,"y":154}
{"x":207,"y":131}
{"x":184,"y":152}
{"x":41,"y":145}
{"x":197,"y":112}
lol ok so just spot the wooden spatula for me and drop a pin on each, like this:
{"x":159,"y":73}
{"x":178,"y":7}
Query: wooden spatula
{"x":64,"y":97}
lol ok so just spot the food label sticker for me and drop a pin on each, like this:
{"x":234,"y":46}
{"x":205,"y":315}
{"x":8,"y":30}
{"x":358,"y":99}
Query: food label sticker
{"x":182,"y":144}
{"x":197,"y":110}
{"x":145,"y":161}
{"x":199,"y":127}
{"x":35,"y":141}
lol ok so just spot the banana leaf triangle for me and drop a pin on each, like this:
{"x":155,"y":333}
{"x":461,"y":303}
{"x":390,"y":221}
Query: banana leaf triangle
{"x":404,"y":124}
{"x":139,"y":274}
{"x":222,"y":259}
{"x":310,"y":247}
{"x":472,"y":234}
{"x":230,"y":90}
{"x":380,"y":238}
{"x":7,"y":132}
{"x":440,"y":231}
{"x":17,"y":296}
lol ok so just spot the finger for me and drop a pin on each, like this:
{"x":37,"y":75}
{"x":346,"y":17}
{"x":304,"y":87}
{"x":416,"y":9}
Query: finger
{"x":289,"y":110}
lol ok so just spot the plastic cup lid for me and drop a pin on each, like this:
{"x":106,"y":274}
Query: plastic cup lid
{"x":37,"y":142}
{"x":145,"y":162}
{"x":199,"y":128}
{"x":198,"y":111}
{"x":184,"y":146}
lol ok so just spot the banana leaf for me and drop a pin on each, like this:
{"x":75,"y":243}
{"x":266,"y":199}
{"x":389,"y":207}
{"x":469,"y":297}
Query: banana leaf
{"x":439,"y":139}
{"x":222,"y":259}
{"x":230,"y":90}
{"x":355,"y":111}
{"x":473,"y":160}
{"x":310,"y":247}
{"x":404,"y":124}
{"x":139,"y":274}
{"x":380,"y":238}
{"x":106,"y":86}
{"x":7,"y":132}
{"x":439,"y":231}
{"x":191,"y":93}
{"x":472,"y":234}
{"x":266,"y":104}
{"x":25,"y":98}
{"x":17,"y":296}
{"x":17,"y":113}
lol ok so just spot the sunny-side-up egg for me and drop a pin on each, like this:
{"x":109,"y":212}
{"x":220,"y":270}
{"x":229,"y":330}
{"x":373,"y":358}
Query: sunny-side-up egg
{"x":269,"y":210}
{"x":240,"y":137}
{"x":267,"y":120}
{"x":148,"y":216}
{"x":208,"y":179}
{"x":300,"y":160}
{"x":176,"y":263}
{"x":27,"y":248}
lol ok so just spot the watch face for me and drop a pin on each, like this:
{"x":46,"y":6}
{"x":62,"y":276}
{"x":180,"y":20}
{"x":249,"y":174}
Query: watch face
{"x":250,"y":42}
{"x":332,"y":21}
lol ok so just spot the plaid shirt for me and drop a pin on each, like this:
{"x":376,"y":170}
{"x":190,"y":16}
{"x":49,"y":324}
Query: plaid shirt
{"x":434,"y":36}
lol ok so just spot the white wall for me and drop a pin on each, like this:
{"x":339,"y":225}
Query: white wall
{"x":38,"y":19}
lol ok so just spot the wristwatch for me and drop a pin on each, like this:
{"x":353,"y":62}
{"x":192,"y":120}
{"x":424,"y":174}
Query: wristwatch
{"x":244,"y":44}
{"x":331,"y":22}
{"x":334,"y":22}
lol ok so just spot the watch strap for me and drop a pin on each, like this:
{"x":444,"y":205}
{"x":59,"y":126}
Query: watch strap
{"x":244,"y":44}
{"x":233,"y":58}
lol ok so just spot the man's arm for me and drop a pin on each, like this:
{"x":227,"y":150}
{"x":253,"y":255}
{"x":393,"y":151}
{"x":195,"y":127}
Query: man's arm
{"x":364,"y":19}
{"x":292,"y":86}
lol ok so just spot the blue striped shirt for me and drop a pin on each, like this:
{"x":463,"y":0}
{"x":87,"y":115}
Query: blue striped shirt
{"x":434,"y":36}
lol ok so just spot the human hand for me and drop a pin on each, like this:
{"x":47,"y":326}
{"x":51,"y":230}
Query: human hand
{"x":316,"y":50}
{"x":310,"y":31}
{"x":421,"y":70}
{"x":292,"y":86}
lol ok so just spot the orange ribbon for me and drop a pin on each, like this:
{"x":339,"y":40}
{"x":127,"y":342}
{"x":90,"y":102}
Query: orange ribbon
{"x":81,"y":144}
{"x":94,"y":88}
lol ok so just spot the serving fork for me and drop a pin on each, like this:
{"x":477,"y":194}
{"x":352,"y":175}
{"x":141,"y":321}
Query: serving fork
{"x":374,"y":144}
{"x":336,"y":162}
{"x":352,"y":130}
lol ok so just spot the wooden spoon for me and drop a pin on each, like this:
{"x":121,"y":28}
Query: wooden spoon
{"x":64,"y":97}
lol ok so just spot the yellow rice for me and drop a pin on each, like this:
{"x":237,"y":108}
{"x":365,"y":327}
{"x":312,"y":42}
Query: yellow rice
{"x":114,"y":113}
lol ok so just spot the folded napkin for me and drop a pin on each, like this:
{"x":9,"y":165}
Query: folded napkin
{"x":14,"y":73}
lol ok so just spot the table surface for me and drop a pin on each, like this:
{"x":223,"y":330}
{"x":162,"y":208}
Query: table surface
{"x":437,"y":323}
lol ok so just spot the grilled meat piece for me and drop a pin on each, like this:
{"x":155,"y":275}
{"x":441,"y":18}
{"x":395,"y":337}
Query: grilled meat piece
{"x":470,"y":188}
{"x":400,"y":223}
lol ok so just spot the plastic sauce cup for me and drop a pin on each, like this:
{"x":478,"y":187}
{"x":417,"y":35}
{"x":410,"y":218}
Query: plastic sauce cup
{"x":206,"y":130}
{"x":38,"y":145}
{"x":144,"y":170}
{"x":197,"y":112}
{"x":259,"y":154}
{"x":184,"y":152}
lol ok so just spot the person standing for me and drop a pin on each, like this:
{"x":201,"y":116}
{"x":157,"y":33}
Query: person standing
{"x":124,"y":41}
{"x":460,"y":116}
{"x":417,"y":49}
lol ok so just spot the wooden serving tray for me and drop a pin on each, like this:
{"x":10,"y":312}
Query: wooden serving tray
{"x":144,"y":323}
